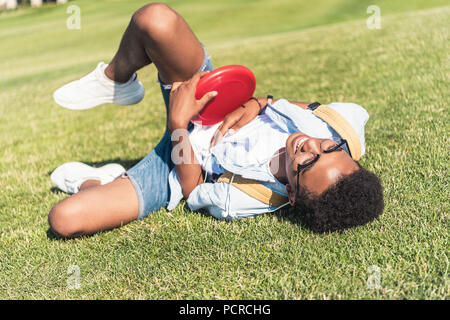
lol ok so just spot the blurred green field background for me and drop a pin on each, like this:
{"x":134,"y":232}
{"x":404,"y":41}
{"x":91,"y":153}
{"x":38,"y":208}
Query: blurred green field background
{"x":299,"y":50}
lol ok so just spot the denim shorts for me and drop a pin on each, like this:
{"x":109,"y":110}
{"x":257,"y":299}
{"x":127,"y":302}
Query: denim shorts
{"x":150,"y":176}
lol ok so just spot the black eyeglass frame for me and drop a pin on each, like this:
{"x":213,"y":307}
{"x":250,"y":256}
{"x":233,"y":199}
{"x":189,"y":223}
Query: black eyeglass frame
{"x":301,"y":167}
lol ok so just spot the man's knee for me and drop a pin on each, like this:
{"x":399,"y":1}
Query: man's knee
{"x":64,"y":219}
{"x":156,"y":19}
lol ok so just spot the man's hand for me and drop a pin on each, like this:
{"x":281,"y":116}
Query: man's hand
{"x":183,"y":105}
{"x":236,"y":120}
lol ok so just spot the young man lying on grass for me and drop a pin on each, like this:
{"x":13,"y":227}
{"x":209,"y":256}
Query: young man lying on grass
{"x":280,"y":152}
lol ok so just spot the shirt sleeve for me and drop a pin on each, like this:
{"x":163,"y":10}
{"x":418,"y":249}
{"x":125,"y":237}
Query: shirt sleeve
{"x":226,"y":202}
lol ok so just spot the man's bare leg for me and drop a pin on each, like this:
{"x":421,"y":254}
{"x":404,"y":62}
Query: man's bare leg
{"x":155,"y":34}
{"x":95,"y":209}
{"x":89,"y":184}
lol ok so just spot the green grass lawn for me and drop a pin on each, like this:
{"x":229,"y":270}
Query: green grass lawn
{"x":299,"y":50}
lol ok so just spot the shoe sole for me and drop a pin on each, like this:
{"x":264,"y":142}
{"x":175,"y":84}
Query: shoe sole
{"x":128,"y":100}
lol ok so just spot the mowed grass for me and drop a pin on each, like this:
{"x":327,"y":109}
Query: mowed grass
{"x":299,"y":50}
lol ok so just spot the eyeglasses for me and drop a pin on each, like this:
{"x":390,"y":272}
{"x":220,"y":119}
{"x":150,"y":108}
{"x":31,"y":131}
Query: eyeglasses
{"x":308,"y":158}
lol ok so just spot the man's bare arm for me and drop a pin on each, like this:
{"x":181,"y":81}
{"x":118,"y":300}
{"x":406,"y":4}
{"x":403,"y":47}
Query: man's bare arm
{"x":189,"y":171}
{"x":302,"y":105}
{"x":183,"y":107}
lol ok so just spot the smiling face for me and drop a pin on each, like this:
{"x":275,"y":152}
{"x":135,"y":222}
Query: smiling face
{"x":320,"y":175}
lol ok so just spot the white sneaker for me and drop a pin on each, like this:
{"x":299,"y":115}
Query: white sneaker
{"x":71,"y":175}
{"x":96,"y":88}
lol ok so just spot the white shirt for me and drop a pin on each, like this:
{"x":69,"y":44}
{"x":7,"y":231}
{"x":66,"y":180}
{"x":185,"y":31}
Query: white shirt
{"x":252,"y":146}
{"x":248,"y":153}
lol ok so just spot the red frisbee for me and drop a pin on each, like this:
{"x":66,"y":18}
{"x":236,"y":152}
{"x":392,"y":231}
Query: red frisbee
{"x":234,"y":84}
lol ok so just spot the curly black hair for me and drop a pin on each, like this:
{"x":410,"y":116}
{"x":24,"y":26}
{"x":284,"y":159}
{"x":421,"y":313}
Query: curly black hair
{"x":354,"y":200}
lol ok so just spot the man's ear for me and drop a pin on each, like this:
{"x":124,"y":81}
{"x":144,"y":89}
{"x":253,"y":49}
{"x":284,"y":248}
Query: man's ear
{"x":291,"y":194}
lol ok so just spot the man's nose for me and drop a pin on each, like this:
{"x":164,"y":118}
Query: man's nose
{"x":312,"y":145}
